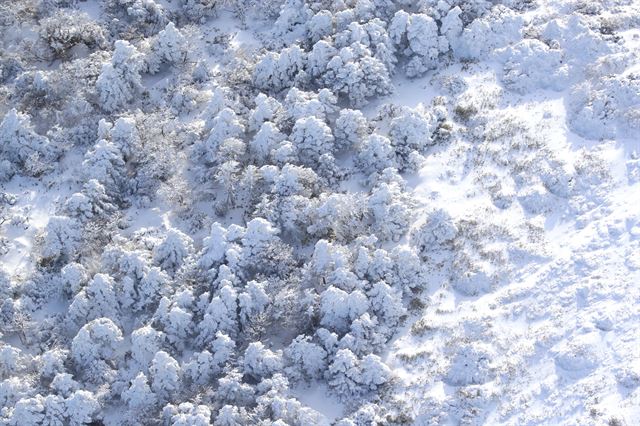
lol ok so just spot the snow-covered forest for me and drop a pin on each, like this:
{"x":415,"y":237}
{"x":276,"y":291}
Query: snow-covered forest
{"x":298,"y":212}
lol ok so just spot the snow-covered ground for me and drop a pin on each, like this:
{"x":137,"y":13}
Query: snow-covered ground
{"x":558,"y":338}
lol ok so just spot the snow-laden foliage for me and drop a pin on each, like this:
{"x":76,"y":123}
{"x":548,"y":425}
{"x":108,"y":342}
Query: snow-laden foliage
{"x":23,"y":150}
{"x":295,"y":212}
{"x":119,"y":81}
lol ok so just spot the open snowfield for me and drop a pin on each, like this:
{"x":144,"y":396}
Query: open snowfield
{"x":349,"y":213}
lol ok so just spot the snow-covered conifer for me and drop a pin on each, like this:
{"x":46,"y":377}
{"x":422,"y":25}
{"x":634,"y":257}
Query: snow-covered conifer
{"x":338,"y":308}
{"x":187,"y":414}
{"x":154,"y":285}
{"x":92,"y":202}
{"x":199,"y":10}
{"x":138,"y":395}
{"x":120,"y":81}
{"x":320,"y":25}
{"x":266,"y":140}
{"x":177,"y":322}
{"x":26,"y":151}
{"x":374,"y":372}
{"x":277,"y":71}
{"x":172,"y":253}
{"x":38,"y":410}
{"x":312,"y":138}
{"x":96,"y":300}
{"x":165,"y":375}
{"x":293,"y":18}
{"x":229,"y":415}
{"x":252,"y":302}
{"x":308,"y":359}
{"x":343,"y":374}
{"x":225,"y":125}
{"x":214,"y":247}
{"x":145,"y":342}
{"x":391,"y":210}
{"x":220,"y":315}
{"x":386,"y":303}
{"x":261,"y":362}
{"x":94,"y":344}
{"x":350,"y":129}
{"x":82,"y":408}
{"x":51,"y":362}
{"x":260,"y":233}
{"x":356,"y":74}
{"x":9,"y":360}
{"x":62,"y":239}
{"x":319,"y":56}
{"x":375,"y":153}
{"x":64,"y":384}
{"x":106,"y":165}
{"x":266,"y":109}
{"x":170,"y":45}
{"x":365,"y":335}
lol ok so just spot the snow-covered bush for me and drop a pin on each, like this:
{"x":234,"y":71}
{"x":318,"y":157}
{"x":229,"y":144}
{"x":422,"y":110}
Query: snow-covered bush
{"x":277,"y":71}
{"x":495,"y":30}
{"x":435,"y":234}
{"x":469,"y":365}
{"x":605,"y":108}
{"x":220,"y":224}
{"x":65,"y":30}
{"x":531,"y":64}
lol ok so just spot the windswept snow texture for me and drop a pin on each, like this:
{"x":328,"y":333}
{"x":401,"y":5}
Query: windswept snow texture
{"x":295,"y":212}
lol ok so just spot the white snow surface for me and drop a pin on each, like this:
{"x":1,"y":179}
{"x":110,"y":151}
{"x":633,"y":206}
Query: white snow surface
{"x":560,"y":335}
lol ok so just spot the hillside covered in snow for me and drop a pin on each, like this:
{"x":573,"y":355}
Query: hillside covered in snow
{"x":296,"y":212}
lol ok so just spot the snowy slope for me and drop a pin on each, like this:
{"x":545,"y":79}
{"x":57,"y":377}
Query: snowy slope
{"x":556,"y":338}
